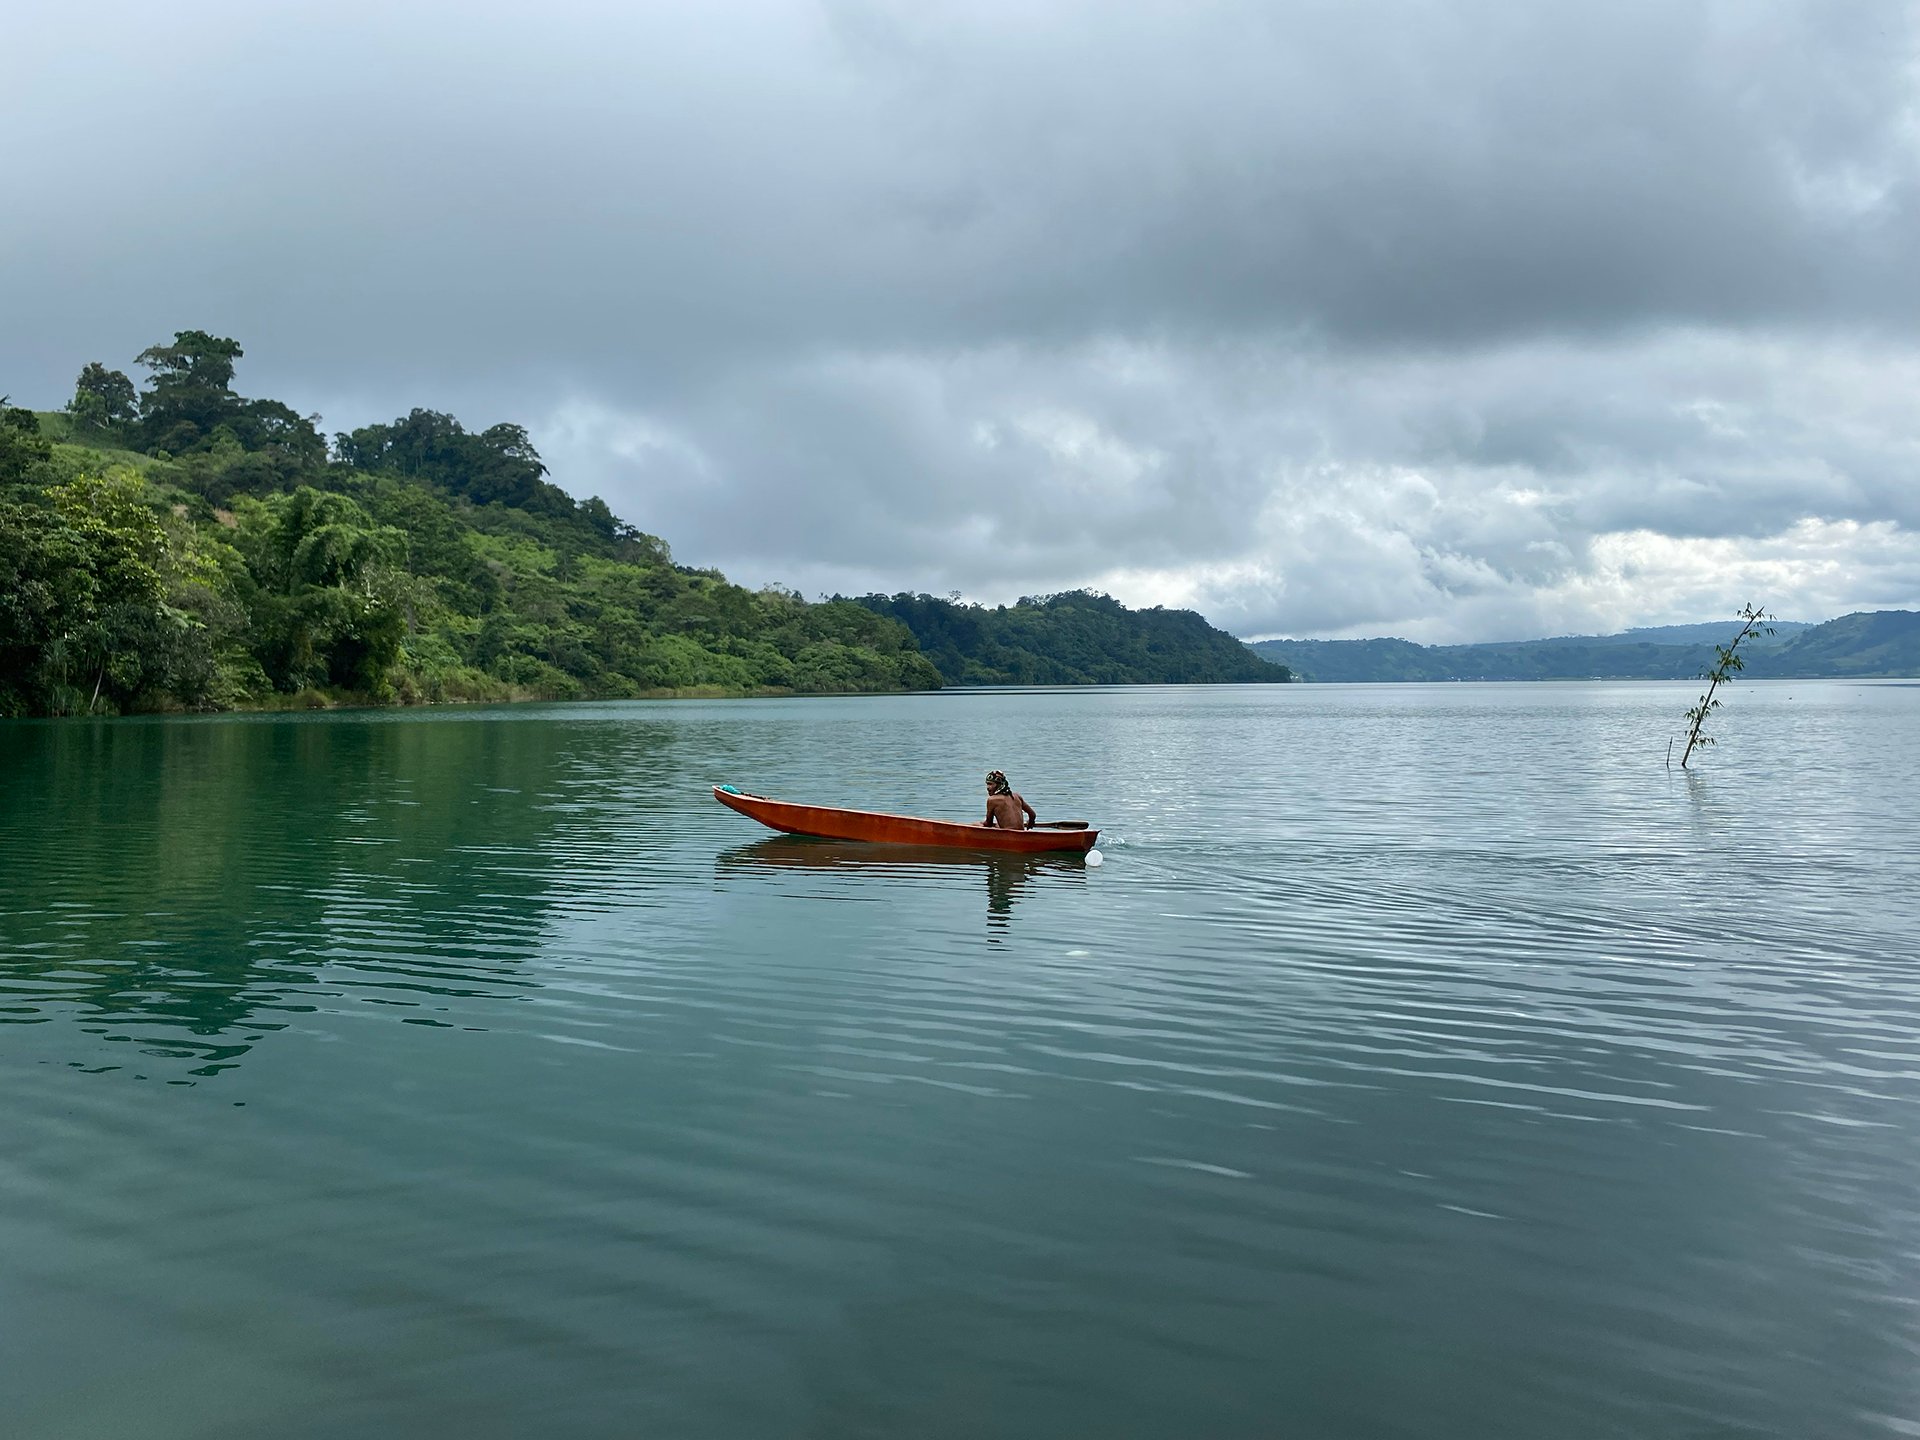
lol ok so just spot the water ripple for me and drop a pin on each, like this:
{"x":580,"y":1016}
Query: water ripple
{"x":492,"y":1080}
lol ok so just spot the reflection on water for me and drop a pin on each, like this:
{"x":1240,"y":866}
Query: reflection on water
{"x":1425,"y":1061}
{"x":183,"y":891}
{"x":1005,"y":876}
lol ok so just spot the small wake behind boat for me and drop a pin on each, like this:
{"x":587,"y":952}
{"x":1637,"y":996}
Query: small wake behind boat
{"x":836,"y":824}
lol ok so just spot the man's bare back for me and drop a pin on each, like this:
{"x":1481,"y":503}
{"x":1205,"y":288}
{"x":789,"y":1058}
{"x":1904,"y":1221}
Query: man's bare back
{"x":1004,"y":808}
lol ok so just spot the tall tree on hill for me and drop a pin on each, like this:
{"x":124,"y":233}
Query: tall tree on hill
{"x":511,"y":469}
{"x":423,"y":444}
{"x":103,"y":399}
{"x":271,"y":428}
{"x":189,"y":389}
{"x":499,"y":464}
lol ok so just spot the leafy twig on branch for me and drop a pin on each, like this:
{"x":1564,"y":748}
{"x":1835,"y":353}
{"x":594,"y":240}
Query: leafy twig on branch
{"x":1727,"y":663}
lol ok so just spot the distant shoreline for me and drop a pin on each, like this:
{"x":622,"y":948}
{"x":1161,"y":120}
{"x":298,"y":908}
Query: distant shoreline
{"x":358,"y":706}
{"x":1881,"y":645}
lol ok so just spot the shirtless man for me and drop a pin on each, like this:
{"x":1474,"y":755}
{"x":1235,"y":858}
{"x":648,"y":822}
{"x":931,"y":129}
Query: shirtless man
{"x":1004,"y":808}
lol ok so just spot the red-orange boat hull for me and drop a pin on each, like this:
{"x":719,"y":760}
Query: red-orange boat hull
{"x":836,"y":824}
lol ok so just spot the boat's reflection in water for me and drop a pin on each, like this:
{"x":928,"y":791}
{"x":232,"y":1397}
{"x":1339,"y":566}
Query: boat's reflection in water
{"x":1005,"y":876}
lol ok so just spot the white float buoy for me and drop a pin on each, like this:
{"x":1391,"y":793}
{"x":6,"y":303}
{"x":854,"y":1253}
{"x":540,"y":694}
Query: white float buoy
{"x":1093,"y":857}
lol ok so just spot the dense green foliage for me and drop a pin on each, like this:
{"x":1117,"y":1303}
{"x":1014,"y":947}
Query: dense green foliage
{"x":185,"y":547}
{"x":180,"y":545}
{"x":1886,"y":643}
{"x":1077,"y":638}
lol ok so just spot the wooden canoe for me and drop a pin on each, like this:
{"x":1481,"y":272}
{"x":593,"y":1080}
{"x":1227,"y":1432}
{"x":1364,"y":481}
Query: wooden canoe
{"x":836,"y":824}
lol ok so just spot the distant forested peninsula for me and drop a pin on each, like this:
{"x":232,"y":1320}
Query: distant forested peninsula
{"x":177,"y":546}
{"x":1072,"y":639}
{"x":1875,"y":645}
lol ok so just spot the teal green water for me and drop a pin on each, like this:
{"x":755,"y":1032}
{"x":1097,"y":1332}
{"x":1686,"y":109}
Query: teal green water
{"x":1422,"y":1061}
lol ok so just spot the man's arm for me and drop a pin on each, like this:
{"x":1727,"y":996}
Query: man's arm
{"x":989,"y":819}
{"x":1032,"y":815}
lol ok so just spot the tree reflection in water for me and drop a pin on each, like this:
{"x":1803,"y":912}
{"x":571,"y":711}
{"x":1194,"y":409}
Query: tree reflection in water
{"x":182,"y":889}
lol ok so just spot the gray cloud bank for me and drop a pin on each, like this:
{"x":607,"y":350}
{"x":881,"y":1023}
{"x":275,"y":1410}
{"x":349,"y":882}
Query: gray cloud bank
{"x":1459,"y":322}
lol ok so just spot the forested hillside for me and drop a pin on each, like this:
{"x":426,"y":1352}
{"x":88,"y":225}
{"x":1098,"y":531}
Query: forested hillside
{"x":1710,"y":633}
{"x":177,"y":545}
{"x":1883,"y":644}
{"x":181,"y":546}
{"x":1076,"y":638}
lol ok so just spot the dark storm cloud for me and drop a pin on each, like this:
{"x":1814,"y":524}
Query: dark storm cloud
{"x":1390,"y":314}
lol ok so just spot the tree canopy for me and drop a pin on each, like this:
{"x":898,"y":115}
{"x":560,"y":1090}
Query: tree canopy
{"x":104,"y":400}
{"x":184,"y":546}
{"x":499,"y":464}
{"x":1074,"y":638}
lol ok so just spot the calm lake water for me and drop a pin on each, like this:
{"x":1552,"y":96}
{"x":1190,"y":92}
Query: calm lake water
{"x":1422,"y":1061}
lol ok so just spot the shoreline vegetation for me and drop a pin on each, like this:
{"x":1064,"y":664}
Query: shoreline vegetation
{"x":179,"y":547}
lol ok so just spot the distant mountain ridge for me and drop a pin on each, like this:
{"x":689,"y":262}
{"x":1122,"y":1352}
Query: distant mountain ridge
{"x":1711,"y":633}
{"x":1876,"y":645}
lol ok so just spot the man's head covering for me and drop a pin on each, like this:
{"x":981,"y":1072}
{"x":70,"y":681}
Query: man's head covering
{"x":997,"y":782}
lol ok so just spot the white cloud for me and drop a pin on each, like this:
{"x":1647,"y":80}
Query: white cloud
{"x":1287,"y":489}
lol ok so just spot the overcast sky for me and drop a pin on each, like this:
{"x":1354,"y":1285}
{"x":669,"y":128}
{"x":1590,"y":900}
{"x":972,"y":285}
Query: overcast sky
{"x":1454,"y":321}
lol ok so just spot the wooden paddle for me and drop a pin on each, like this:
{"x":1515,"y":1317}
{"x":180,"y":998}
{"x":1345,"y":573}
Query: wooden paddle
{"x":1059,"y":825}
